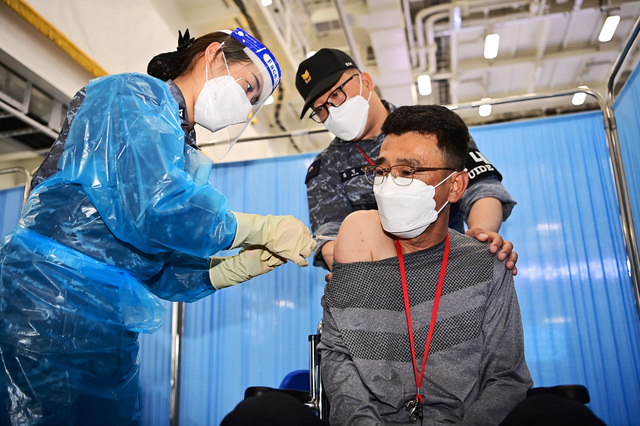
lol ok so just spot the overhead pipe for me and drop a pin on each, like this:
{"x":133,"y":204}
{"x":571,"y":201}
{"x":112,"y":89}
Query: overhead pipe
{"x":540,"y":51}
{"x":293,"y":62}
{"x":406,"y":11}
{"x":426,"y":61}
{"x":30,"y":121}
{"x":432,"y":14}
{"x":346,"y":27}
{"x":293,"y":32}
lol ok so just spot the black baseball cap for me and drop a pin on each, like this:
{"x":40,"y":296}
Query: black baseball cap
{"x":319,"y":72}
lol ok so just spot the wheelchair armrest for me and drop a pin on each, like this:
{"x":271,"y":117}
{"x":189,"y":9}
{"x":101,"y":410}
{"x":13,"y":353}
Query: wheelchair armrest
{"x":301,"y":396}
{"x":576,"y":393}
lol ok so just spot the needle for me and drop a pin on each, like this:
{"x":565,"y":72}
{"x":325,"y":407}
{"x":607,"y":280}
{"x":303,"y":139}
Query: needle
{"x":323,"y":237}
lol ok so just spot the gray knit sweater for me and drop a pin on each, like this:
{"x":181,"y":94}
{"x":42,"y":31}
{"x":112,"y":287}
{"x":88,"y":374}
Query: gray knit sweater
{"x":475,"y":372}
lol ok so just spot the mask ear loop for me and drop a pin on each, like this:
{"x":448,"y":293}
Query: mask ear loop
{"x":443,"y":180}
{"x":361,"y":86}
{"x":206,"y":65}
{"x":224,"y":58}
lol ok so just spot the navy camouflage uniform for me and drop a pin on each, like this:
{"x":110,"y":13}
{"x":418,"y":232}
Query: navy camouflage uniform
{"x":336,"y":186}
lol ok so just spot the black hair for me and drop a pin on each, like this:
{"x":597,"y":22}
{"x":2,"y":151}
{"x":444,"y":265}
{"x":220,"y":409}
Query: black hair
{"x":449,"y":129}
{"x":168,"y":66}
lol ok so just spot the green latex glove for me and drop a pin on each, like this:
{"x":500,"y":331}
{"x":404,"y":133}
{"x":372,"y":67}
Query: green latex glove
{"x":248,"y":263}
{"x":284,"y":236}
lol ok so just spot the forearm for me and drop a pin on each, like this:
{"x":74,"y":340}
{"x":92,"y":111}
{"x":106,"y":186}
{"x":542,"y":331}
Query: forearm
{"x":327,"y":253}
{"x":486,"y":188}
{"x":486,"y":213}
{"x":495,"y":402}
{"x":505,"y":375}
{"x":323,"y":256}
{"x":348,"y":397}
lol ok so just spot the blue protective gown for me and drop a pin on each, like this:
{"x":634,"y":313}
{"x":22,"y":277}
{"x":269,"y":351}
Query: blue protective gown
{"x":129,"y":213}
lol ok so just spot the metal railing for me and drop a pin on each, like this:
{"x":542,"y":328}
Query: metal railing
{"x":27,"y":185}
{"x":622,"y":191}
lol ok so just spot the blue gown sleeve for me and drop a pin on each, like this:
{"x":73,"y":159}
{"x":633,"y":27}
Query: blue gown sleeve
{"x":126,"y":149}
{"x":183,"y":278}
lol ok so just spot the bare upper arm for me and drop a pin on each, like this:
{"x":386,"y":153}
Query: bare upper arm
{"x":359,"y":238}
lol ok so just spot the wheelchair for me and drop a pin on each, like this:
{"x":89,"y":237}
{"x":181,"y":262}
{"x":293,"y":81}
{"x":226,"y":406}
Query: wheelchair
{"x":315,"y":399}
{"x":293,"y":384}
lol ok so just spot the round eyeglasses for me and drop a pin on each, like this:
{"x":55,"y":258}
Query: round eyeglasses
{"x":401,"y":174}
{"x":335,"y":99}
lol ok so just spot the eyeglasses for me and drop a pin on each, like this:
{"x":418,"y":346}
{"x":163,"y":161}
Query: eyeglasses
{"x":377,"y":174}
{"x":335,"y":99}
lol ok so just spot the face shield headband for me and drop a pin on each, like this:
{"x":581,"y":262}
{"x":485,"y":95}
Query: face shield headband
{"x":263,"y":59}
{"x":267,"y":78}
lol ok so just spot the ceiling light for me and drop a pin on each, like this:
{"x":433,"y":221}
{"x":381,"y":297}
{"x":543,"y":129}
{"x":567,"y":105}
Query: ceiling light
{"x":609,"y":27}
{"x":485,"y":110}
{"x":491,"y":43}
{"x":424,"y":85}
{"x":457,"y":18}
{"x":267,"y":3}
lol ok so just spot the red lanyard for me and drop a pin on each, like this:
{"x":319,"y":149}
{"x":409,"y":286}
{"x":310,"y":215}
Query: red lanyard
{"x":434,"y":312}
{"x":365,"y":155}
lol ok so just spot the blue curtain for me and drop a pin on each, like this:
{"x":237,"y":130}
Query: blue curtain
{"x":155,"y":372}
{"x":627,"y":113}
{"x":10,"y":209}
{"x":574,"y":286}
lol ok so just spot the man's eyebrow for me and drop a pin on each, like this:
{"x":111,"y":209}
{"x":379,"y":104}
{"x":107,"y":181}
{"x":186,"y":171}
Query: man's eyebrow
{"x":380,"y":160}
{"x":409,"y":161}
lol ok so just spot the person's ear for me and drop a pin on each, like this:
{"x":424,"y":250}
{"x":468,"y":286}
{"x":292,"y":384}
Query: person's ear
{"x":459,"y":184}
{"x":367,"y":81}
{"x":212,"y":54}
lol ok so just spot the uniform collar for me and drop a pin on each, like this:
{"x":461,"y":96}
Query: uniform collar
{"x":189,"y":135}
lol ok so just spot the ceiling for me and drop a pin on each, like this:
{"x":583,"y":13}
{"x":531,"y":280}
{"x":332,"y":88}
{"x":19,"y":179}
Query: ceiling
{"x":546,"y":47}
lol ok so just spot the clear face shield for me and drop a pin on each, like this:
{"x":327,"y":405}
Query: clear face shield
{"x":236,"y":98}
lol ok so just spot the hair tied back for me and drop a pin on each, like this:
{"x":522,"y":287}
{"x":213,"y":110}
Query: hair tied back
{"x":184,"y":41}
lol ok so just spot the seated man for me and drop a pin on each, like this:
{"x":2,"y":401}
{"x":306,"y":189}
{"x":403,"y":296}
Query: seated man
{"x":463,"y":313}
{"x":406,"y":286}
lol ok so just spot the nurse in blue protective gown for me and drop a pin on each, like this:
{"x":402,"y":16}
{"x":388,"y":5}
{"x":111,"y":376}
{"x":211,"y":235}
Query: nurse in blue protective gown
{"x":121,"y":212}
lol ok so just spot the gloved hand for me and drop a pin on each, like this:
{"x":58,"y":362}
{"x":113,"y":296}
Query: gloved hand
{"x":284,"y":236}
{"x":248,"y":263}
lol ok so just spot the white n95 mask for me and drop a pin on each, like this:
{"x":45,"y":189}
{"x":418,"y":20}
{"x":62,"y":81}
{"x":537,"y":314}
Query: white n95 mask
{"x":406,"y":211}
{"x":221,"y":103}
{"x":348,"y":120}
